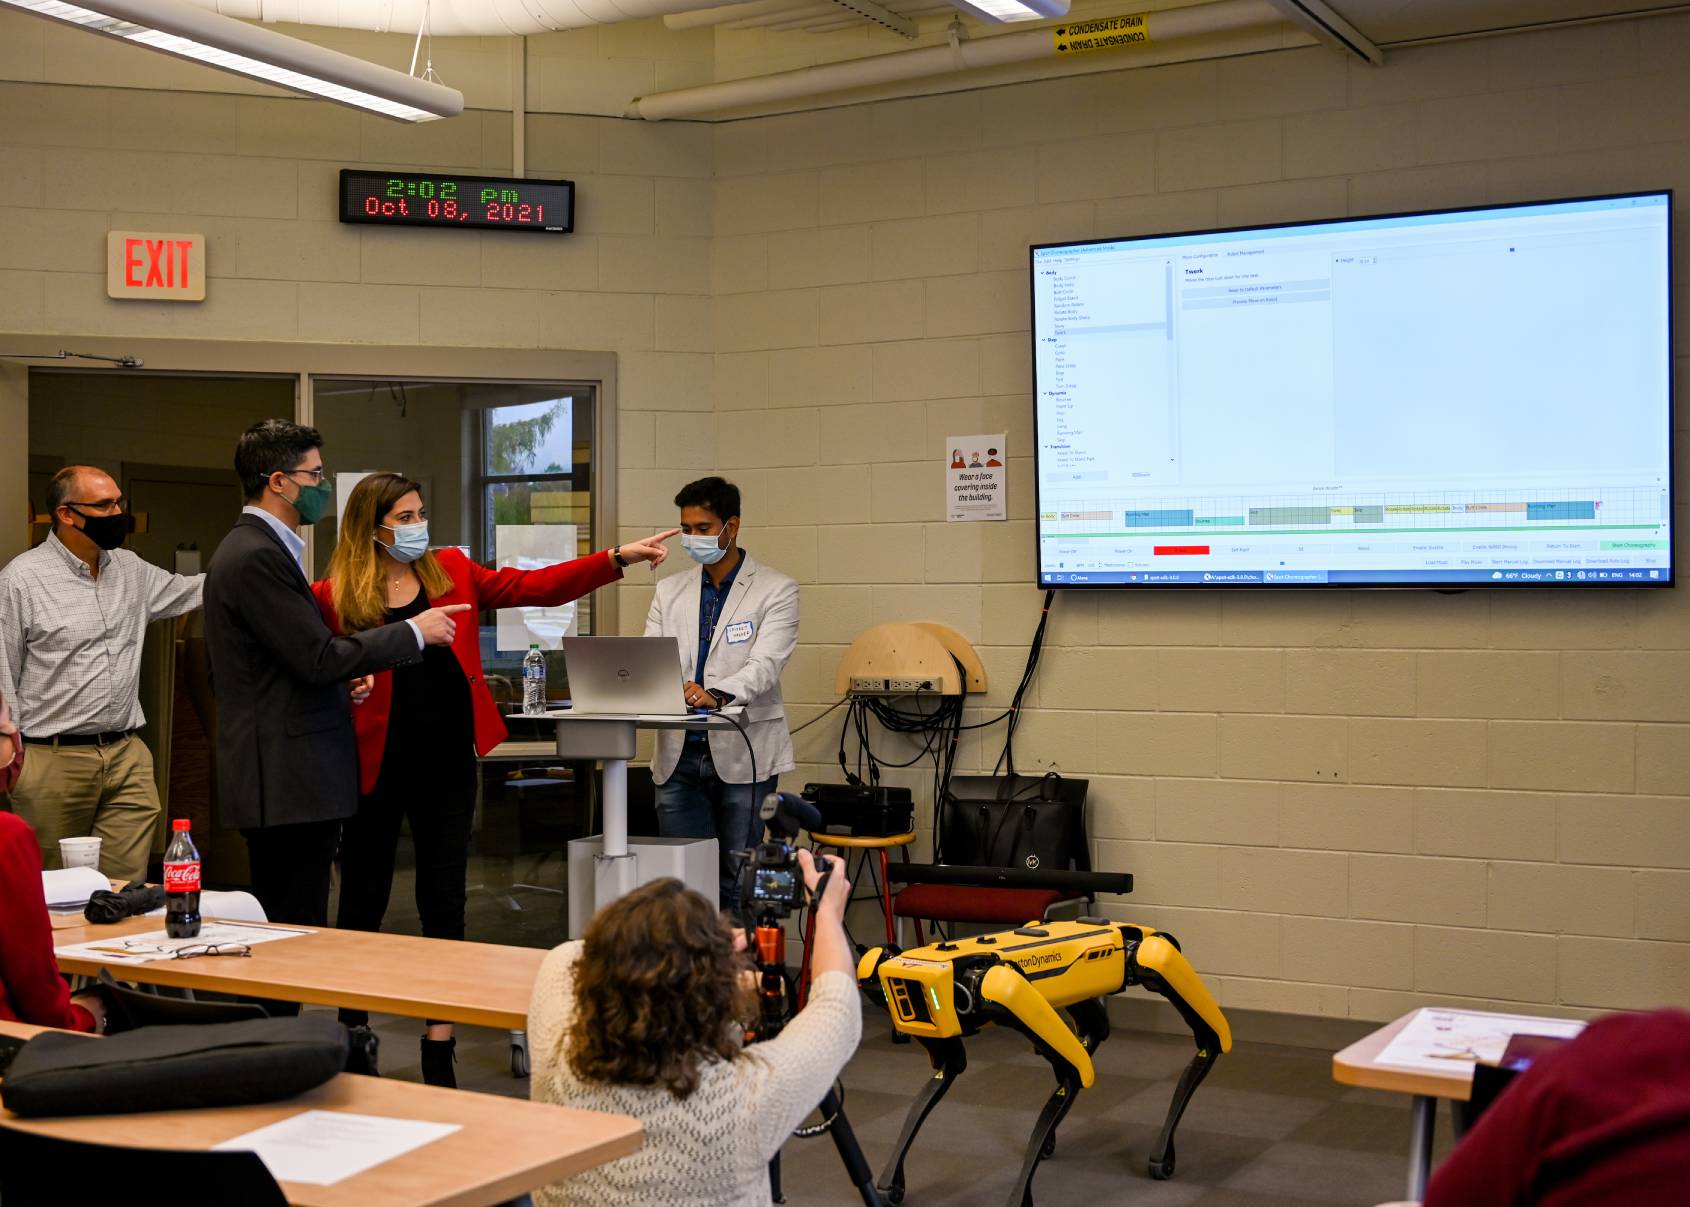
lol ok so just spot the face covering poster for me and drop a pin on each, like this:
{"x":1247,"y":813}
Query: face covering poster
{"x":534,"y":547}
{"x":976,"y":478}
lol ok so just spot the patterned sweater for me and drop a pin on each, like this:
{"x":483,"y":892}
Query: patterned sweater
{"x":711,"y":1149}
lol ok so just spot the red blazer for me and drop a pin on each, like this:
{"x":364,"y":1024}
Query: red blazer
{"x":482,"y":589}
{"x":31,"y":989}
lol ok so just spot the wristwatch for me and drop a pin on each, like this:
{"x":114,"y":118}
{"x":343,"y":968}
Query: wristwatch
{"x":616,"y":556}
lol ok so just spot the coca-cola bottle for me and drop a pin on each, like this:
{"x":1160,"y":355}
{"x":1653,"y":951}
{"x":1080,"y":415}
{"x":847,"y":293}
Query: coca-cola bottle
{"x":181,"y":883}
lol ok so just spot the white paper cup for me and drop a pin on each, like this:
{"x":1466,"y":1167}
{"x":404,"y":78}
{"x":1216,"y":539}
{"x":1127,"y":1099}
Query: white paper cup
{"x":79,"y":852}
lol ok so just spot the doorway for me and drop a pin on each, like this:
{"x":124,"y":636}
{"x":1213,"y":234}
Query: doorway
{"x":168,"y":440}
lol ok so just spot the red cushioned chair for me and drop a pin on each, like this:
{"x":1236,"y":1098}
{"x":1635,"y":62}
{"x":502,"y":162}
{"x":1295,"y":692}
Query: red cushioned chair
{"x":977,"y":903}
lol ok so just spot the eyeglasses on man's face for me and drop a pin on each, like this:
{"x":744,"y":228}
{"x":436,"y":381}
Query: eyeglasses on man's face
{"x":97,"y":506}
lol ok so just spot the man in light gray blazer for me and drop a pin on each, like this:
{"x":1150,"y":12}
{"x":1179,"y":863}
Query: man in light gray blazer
{"x":737,"y":622}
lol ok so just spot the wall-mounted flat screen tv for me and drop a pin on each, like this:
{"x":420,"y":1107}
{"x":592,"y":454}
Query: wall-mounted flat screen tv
{"x":1460,"y":398}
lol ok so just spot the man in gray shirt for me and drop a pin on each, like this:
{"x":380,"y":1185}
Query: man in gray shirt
{"x":73,"y":614}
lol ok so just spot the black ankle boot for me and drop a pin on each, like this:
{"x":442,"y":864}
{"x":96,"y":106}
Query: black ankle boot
{"x":363,"y":1048}
{"x":438,"y":1056}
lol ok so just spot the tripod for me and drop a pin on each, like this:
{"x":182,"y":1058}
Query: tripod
{"x":774,"y":1011}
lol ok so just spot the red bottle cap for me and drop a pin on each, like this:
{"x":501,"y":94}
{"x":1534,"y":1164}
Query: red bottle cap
{"x":181,"y":823}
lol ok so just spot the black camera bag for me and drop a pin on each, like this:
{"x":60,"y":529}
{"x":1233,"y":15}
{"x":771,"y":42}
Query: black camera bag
{"x":174,"y":1068}
{"x":1015,"y":821}
{"x":866,"y":811}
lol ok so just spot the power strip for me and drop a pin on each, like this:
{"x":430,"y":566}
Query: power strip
{"x":863,"y":685}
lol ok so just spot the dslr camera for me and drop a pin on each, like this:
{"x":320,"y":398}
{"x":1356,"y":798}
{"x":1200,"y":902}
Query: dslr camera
{"x":771,"y":882}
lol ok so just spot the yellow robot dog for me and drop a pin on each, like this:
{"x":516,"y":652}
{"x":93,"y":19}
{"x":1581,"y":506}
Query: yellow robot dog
{"x":944,"y":992}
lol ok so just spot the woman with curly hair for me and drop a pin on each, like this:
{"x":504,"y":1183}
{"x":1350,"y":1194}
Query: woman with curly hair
{"x":642,"y":1017}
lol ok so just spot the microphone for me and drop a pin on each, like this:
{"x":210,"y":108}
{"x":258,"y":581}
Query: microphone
{"x":786,"y":813}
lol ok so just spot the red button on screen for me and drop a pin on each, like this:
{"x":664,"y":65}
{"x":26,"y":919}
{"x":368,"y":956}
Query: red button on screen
{"x":1163,"y":550}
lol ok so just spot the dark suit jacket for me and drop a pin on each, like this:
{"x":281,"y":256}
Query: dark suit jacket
{"x":285,"y":750}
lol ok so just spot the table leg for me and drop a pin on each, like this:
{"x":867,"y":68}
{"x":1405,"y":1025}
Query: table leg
{"x":1420,"y":1146}
{"x":615,"y":869}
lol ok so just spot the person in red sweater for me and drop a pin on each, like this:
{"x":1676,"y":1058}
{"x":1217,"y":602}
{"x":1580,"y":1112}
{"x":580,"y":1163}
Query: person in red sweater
{"x":419,"y":727}
{"x":31,"y":989}
{"x":1604,"y":1120}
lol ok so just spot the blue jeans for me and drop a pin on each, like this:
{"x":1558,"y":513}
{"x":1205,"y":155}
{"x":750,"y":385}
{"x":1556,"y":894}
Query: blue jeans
{"x":694,"y":803}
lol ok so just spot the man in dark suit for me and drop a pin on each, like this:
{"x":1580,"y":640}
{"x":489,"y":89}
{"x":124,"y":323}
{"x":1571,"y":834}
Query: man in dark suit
{"x":287,"y":765}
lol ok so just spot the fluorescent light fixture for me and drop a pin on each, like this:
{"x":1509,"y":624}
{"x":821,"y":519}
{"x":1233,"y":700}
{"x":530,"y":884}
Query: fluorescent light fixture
{"x":1003,"y":11}
{"x":260,"y":54}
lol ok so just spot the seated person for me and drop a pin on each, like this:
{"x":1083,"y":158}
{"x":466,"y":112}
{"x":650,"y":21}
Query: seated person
{"x":641,"y":1018}
{"x":1603,"y":1120}
{"x":31,"y":989}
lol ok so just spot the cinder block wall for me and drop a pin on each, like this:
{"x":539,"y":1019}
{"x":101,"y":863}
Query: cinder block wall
{"x":1343,"y":803}
{"x":96,"y":136}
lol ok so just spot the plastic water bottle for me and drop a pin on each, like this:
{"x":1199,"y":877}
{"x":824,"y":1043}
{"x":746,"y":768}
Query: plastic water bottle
{"x":181,"y":883}
{"x":534,"y":681}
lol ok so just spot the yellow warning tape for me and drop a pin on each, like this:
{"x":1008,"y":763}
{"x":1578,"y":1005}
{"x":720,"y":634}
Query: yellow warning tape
{"x":1107,"y":33}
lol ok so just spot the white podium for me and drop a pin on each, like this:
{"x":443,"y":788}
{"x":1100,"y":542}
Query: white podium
{"x":610,"y":738}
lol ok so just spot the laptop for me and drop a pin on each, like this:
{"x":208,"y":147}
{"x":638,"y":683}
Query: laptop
{"x":640,"y":675}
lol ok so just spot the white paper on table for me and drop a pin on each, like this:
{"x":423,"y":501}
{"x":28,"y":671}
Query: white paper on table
{"x":534,"y":547}
{"x":70,"y":888}
{"x":321,"y":1148}
{"x":158,"y":945}
{"x":1446,"y":1041}
{"x":225,"y":907}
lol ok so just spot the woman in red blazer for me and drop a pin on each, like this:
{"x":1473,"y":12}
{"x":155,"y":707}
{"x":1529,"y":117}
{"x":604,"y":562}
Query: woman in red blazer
{"x":31,"y":989}
{"x":419,"y":727}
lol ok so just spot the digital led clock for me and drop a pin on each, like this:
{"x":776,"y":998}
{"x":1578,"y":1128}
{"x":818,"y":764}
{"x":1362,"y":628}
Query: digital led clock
{"x":462,"y":202}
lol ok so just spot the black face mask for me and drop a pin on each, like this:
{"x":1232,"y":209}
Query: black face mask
{"x":106,"y":531}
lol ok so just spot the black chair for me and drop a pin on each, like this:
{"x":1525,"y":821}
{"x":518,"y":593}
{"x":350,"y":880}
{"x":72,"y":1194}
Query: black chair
{"x":34,"y":1169}
{"x":131,"y":1009}
{"x":980,"y":822}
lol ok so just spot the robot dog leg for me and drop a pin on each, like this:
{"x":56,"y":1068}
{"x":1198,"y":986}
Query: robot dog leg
{"x":944,"y":1053}
{"x":1159,"y":966}
{"x":943,"y":993}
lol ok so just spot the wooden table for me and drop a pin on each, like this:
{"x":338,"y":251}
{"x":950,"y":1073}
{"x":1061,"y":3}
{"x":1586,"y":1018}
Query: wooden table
{"x":504,"y":1147}
{"x":482,"y":984}
{"x":1357,"y":1065}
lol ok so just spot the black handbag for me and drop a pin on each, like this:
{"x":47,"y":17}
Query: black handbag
{"x":174,"y":1068}
{"x":1015,"y":821}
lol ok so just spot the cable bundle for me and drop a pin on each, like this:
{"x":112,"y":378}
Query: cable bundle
{"x":939,"y":728}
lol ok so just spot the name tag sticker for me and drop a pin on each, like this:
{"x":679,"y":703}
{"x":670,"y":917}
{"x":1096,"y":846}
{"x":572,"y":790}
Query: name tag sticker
{"x":738,"y":633}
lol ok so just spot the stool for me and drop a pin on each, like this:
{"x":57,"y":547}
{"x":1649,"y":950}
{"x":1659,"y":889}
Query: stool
{"x":845,"y":844}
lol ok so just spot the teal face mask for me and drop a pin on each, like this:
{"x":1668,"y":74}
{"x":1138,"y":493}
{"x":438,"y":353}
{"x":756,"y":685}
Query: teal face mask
{"x":312,"y":503}
{"x":410,"y":541}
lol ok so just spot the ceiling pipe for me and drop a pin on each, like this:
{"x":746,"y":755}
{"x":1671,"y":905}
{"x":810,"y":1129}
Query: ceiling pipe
{"x":450,"y":18}
{"x":724,"y":13}
{"x":818,"y":8}
{"x":1223,"y":16}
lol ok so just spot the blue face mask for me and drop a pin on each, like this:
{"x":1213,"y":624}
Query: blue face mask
{"x":703,"y":549}
{"x":410,"y":541}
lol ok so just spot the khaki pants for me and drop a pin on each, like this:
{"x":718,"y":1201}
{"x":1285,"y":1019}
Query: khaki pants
{"x":106,"y":792}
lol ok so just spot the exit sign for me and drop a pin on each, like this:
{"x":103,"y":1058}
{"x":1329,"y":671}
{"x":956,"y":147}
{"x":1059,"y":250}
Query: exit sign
{"x":155,"y":267}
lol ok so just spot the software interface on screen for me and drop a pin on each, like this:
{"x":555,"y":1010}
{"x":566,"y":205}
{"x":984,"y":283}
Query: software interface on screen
{"x":1479,"y":396}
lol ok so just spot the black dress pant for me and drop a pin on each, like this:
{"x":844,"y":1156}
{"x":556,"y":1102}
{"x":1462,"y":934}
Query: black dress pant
{"x":290,"y":877}
{"x":290,"y":870}
{"x":439,"y":802}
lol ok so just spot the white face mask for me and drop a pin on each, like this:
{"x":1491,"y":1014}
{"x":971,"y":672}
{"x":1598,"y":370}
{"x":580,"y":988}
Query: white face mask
{"x":703,"y":549}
